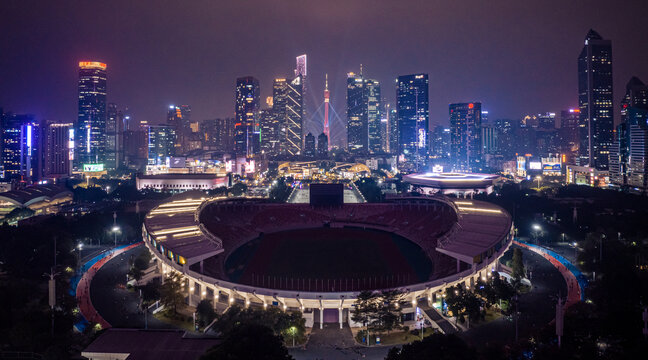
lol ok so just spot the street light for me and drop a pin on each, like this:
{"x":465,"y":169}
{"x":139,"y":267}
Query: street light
{"x":538,"y":178}
{"x":293,"y":331}
{"x":115,"y":230}
{"x":79,"y":248}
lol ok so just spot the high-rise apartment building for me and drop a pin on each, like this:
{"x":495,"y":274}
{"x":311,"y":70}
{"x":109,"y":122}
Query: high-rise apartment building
{"x":392,"y":129}
{"x":465,"y":136}
{"x":595,"y":99}
{"x":248,"y":102}
{"x":412,"y":105}
{"x":91,"y":124}
{"x":218,"y":134}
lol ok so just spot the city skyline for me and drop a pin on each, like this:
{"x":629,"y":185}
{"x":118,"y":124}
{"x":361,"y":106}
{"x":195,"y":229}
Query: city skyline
{"x":177,"y":67}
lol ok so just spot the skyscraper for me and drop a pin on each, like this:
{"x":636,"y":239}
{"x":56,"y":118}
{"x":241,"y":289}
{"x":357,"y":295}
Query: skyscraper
{"x":248,"y":102}
{"x":357,"y":123}
{"x":440,"y":144}
{"x":20,"y":148}
{"x":179,"y":117}
{"x":465,"y":136}
{"x":91,"y":124}
{"x":114,"y":137}
{"x":372,"y":87}
{"x":309,"y":145}
{"x":595,"y":101}
{"x":412,"y":105}
{"x":218,"y":134}
{"x":294,"y":120}
{"x":629,"y":152}
{"x":322,"y":146}
{"x":392,"y":129}
{"x":59,"y":149}
{"x":161,"y":144}
{"x":270,"y":131}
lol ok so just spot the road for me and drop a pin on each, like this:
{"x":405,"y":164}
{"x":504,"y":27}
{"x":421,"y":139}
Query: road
{"x":537,"y":307}
{"x":117,"y":305}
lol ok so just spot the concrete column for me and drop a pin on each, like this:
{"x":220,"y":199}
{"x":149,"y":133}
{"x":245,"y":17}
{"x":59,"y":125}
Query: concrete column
{"x":340,"y":317}
{"x":321,"y":318}
{"x":191,"y":285}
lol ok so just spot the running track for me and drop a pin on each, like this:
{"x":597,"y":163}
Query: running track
{"x":575,"y":280}
{"x":81,"y":286}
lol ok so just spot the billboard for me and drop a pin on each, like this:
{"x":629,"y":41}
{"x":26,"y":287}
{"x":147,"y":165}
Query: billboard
{"x":535,"y":165}
{"x":93,"y":167}
{"x":551,"y":168}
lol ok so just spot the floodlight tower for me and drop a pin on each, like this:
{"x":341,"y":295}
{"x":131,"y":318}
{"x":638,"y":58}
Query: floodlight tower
{"x":326,"y":112}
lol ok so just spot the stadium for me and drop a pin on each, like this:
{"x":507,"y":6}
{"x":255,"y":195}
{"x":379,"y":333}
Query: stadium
{"x":317,"y":257}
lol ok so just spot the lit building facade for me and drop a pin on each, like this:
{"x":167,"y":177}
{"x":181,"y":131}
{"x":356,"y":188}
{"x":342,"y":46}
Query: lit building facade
{"x":294,"y":120}
{"x":161,"y":144}
{"x":357,"y":122}
{"x":374,"y":117}
{"x":595,"y":98}
{"x":246,"y":129}
{"x":465,"y":137}
{"x":91,"y":124}
{"x":59,"y":149}
{"x":309,"y":145}
{"x":20,"y":148}
{"x":412,"y":105}
{"x":179,"y":117}
{"x":322,"y":146}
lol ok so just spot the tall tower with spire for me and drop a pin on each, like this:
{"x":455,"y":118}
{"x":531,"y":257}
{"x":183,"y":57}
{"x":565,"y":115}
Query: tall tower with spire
{"x":326,"y":111}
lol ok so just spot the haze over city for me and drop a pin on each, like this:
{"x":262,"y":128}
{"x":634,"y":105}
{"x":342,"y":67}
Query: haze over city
{"x":515,"y":57}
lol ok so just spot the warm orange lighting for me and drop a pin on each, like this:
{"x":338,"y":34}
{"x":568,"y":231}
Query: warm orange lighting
{"x":92,"y":64}
{"x":471,"y":105}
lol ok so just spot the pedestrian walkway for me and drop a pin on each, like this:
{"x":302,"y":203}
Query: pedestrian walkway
{"x":442,"y":322}
{"x":575,"y":280}
{"x":81,"y":286}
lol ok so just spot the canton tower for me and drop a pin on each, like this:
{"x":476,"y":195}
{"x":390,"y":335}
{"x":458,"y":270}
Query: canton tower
{"x":326,"y":112}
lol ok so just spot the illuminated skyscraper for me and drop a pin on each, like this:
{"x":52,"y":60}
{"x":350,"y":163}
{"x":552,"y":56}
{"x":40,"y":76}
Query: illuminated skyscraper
{"x":372,"y":87}
{"x":294,"y":120}
{"x":465,"y":137}
{"x":357,"y":124}
{"x":20,"y":148}
{"x":161,"y":144}
{"x":179,"y":117}
{"x":412,"y":105}
{"x":115,"y":127}
{"x":91,"y":124}
{"x":322,"y":146}
{"x":595,"y":101}
{"x":309,"y":145}
{"x":392,"y":129}
{"x":248,"y":102}
{"x":58,"y":149}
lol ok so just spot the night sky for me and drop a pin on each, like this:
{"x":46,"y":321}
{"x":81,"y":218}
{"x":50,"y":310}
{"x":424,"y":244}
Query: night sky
{"x":516,"y":57}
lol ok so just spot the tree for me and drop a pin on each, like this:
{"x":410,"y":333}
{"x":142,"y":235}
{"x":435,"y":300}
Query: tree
{"x":279,"y":321}
{"x":150,"y":291}
{"x":388,"y":311}
{"x":238,"y":189}
{"x":365,"y":310}
{"x":435,"y":346}
{"x":205,"y":313}
{"x":171,"y":295}
{"x":249,"y":341}
{"x":369,"y":189}
{"x":517,"y":264}
{"x":280,"y":191}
